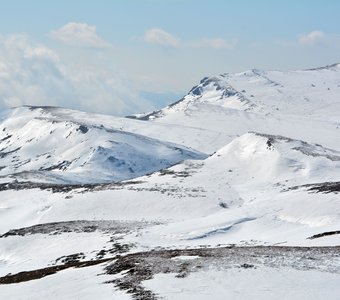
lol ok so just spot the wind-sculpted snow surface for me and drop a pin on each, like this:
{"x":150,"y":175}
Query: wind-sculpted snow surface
{"x":238,"y":180}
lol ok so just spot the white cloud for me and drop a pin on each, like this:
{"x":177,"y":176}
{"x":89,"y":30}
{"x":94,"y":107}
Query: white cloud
{"x":79,"y":34}
{"x":166,"y":39}
{"x":12,"y":102}
{"x":217,"y":43}
{"x":312,"y":38}
{"x":161,"y":37}
{"x":34,"y":74}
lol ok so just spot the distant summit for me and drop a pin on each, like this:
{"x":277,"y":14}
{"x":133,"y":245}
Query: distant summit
{"x":262,"y":92}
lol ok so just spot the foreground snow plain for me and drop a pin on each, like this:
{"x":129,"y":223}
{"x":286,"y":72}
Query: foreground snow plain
{"x":243,"y":160}
{"x":261,"y":283}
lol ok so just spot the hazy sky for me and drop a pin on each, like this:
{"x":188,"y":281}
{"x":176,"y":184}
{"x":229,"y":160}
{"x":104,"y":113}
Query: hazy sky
{"x":127,"y":56}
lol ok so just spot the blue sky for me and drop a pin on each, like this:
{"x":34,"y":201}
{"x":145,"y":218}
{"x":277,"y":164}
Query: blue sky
{"x":124,"y":56}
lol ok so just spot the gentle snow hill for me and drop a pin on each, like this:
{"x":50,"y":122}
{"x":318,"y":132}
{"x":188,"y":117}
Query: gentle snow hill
{"x":36,"y":146}
{"x":273,"y":159}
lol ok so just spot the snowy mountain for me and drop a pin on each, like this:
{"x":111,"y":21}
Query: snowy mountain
{"x":311,"y":92}
{"x":239,"y":179}
{"x":37,"y":145}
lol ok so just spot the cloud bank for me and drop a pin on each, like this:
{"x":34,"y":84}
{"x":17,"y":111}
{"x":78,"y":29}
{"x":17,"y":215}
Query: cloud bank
{"x":34,"y":74}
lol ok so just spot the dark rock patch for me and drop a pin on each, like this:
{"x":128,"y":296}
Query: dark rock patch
{"x":83,"y":129}
{"x":323,"y":234}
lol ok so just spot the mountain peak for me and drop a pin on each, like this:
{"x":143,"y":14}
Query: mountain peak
{"x":265,"y":92}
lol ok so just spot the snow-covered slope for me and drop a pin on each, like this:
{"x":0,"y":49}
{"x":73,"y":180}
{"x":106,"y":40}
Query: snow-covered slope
{"x":264,"y":178}
{"x":35,"y":145}
{"x":274,"y":182}
{"x":257,"y":188}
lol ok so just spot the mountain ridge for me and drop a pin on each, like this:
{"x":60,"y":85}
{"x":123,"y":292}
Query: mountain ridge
{"x":231,"y":86}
